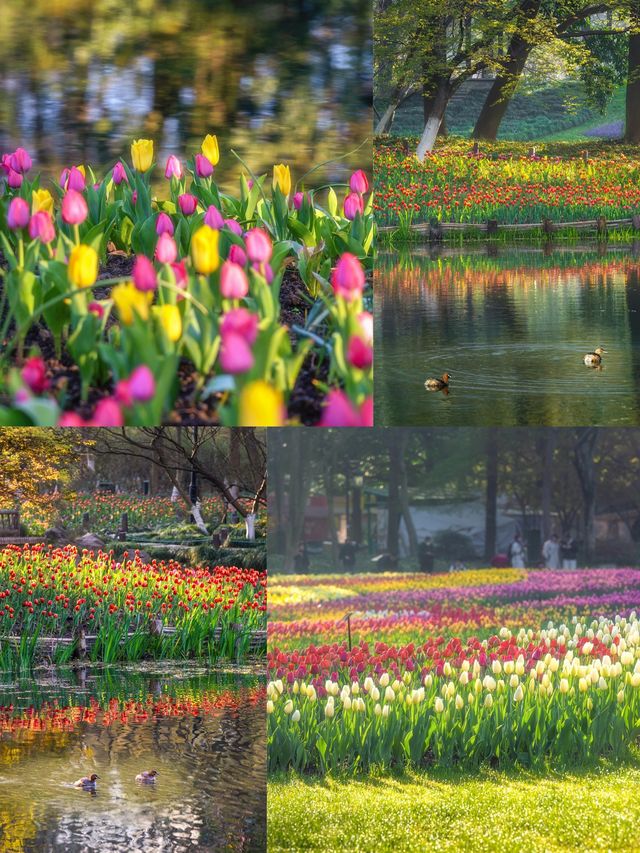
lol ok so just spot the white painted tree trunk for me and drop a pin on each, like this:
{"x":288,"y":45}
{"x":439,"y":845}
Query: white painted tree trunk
{"x":250,"y":526}
{"x":429,"y":136}
{"x":384,"y":125}
{"x":197,"y":515}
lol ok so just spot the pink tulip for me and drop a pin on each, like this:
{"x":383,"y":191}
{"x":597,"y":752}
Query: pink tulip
{"x":164,"y":225}
{"x":237,"y":255}
{"x":142,"y":384}
{"x":134,"y":197}
{"x":298,"y":199}
{"x":365,"y":318}
{"x":234,"y":226}
{"x":339,"y":411}
{"x":20,"y":161}
{"x":14,"y":179}
{"x":97,"y":309}
{"x":188,"y":203}
{"x":5,"y":163}
{"x":242,"y":322}
{"x":18,"y":214}
{"x":265,"y":271}
{"x":348,"y":278}
{"x":235,"y":354}
{"x":107,"y":413}
{"x":353,"y":205}
{"x":41,"y":227}
{"x":358,"y":182}
{"x":204,"y":168}
{"x":233,"y":281}
{"x":359,"y":353}
{"x":174,"y":167}
{"x":180,"y":273}
{"x":74,"y":208}
{"x":70,"y":419}
{"x":258,"y":245}
{"x":213,"y":218}
{"x":119,"y":175}
{"x":166,"y":249}
{"x":144,"y":273}
{"x":34,"y":375}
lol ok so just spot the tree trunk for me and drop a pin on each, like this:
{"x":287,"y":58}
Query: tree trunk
{"x":491,"y":502}
{"x":547,"y":480}
{"x":405,"y":509}
{"x":632,"y":126}
{"x":298,"y":493}
{"x":501,"y":92}
{"x":397,"y":98}
{"x":393,"y":505}
{"x":333,"y":533}
{"x":432,"y":125}
{"x":586,"y":470}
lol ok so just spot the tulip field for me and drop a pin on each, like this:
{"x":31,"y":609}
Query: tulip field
{"x":88,"y":605}
{"x":506,"y":182}
{"x":128,"y":299}
{"x":446,"y":680}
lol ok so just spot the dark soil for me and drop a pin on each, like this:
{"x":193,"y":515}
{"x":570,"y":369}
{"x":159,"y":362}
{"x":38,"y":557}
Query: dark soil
{"x":305,"y":404}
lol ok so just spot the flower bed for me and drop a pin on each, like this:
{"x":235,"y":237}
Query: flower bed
{"x":506,"y":183}
{"x":130,"y":610}
{"x":431,"y":678}
{"x":120,"y":307}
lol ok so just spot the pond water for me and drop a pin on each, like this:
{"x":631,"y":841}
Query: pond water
{"x":511,"y":326}
{"x":287,"y":81}
{"x":203,"y":731}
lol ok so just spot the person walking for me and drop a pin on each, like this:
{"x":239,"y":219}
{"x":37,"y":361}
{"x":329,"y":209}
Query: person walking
{"x":551,"y":552}
{"x":517,"y":553}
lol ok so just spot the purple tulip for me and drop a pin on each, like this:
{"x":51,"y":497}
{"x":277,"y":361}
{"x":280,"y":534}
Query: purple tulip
{"x":204,"y":168}
{"x":213,"y":218}
{"x":237,"y":255}
{"x":14,"y":179}
{"x":76,"y":180}
{"x":20,"y":161}
{"x":234,"y":226}
{"x":188,"y":203}
{"x":119,"y":175}
{"x":164,"y":225}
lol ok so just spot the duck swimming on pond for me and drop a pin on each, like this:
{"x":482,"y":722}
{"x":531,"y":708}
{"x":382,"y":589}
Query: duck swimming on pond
{"x":438,"y":384}
{"x":87,"y":782}
{"x":593,"y":359}
{"x":147,"y":776}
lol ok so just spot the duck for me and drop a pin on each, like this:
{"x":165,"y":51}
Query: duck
{"x":87,"y":782}
{"x":438,"y":384}
{"x":593,"y":359}
{"x":147,"y":776}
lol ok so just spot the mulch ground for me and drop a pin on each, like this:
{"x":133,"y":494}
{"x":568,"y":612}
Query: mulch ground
{"x":305,"y":404}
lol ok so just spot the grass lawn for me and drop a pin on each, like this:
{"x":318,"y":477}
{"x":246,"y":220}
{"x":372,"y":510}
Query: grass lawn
{"x":586,"y":810}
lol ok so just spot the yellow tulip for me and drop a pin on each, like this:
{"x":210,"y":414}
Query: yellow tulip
{"x":130,"y":301}
{"x":204,"y":250}
{"x":171,"y":321}
{"x":210,"y":149}
{"x":261,"y":405}
{"x":282,"y":178}
{"x":142,"y":154}
{"x":41,"y":200}
{"x":83,"y":266}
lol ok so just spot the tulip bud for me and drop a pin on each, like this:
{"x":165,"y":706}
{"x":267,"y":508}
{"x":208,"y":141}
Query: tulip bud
{"x":144,"y":274}
{"x":359,"y":353}
{"x":210,"y":149}
{"x":358,"y":182}
{"x":385,"y":711}
{"x":142,"y":154}
{"x":282,"y":178}
{"x":164,"y":225}
{"x":18,"y":213}
{"x":83,"y":266}
{"x":142,"y":384}
{"x":329,"y":710}
{"x":488,"y":701}
{"x":188,"y":203}
{"x":204,"y":250}
{"x":213,"y":218}
{"x":298,"y":199}
{"x":41,"y":227}
{"x":518,"y":696}
{"x":233,"y":281}
{"x":348,"y":278}
{"x":173,"y":168}
{"x":438,"y":705}
{"x":234,"y":226}
{"x":295,"y":717}
{"x":270,"y":707}
{"x":288,"y":707}
{"x":166,"y":249}
{"x":204,"y":168}
{"x":119,"y":175}
{"x":237,"y":255}
{"x":74,"y":208}
{"x":258,"y":245}
{"x":171,"y":321}
{"x":353,"y":205}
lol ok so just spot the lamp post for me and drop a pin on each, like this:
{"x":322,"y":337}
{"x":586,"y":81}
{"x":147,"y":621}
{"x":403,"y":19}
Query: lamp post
{"x":356,"y":513}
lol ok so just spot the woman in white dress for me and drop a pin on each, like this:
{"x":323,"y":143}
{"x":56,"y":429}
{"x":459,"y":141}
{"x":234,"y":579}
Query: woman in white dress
{"x":517,"y":553}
